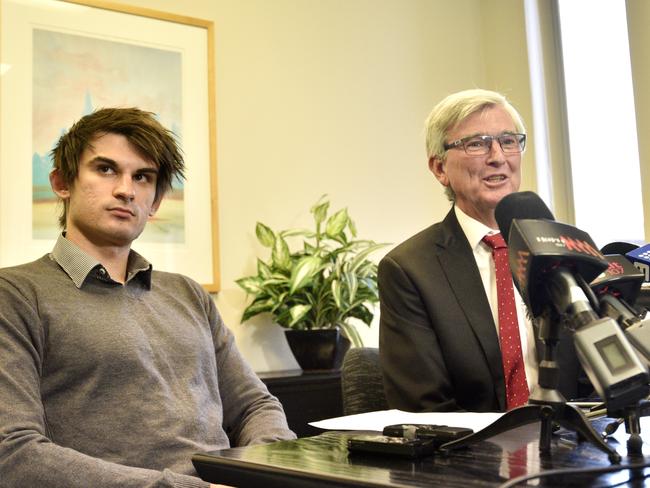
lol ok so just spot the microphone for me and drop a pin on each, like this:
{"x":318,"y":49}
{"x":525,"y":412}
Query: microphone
{"x":640,"y":257}
{"x":538,"y":244}
{"x":618,"y":289}
{"x":520,"y":205}
{"x":621,"y":279}
{"x":551,"y":264}
{"x":637,"y":329}
{"x":642,"y":300}
{"x":618,"y":248}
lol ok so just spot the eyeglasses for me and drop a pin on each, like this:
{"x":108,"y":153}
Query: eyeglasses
{"x":476,"y":145}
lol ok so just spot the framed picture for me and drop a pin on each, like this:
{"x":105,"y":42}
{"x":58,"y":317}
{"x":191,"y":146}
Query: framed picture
{"x":60,"y":60}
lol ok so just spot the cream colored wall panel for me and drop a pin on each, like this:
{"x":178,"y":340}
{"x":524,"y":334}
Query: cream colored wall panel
{"x":317,"y":96}
{"x":638,"y":18}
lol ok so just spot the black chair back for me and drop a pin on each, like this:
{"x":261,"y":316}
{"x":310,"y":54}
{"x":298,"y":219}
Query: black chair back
{"x":361,"y":381}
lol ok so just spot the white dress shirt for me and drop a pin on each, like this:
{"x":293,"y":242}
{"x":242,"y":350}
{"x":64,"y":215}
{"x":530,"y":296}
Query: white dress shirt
{"x":475,"y":231}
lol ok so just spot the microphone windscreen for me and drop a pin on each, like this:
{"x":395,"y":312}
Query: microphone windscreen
{"x":520,"y":205}
{"x":618,"y":248}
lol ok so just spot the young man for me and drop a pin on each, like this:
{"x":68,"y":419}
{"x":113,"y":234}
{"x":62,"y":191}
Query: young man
{"x":112,"y":374}
{"x":440,"y":327}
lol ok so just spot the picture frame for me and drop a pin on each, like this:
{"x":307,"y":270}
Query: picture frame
{"x":62,"y":59}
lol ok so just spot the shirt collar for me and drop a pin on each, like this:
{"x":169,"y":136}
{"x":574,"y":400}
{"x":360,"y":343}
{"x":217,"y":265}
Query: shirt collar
{"x":474,"y":230}
{"x":78,"y":265}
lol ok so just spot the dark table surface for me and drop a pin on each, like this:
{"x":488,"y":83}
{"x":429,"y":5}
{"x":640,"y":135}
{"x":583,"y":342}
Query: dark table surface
{"x":323,"y":460}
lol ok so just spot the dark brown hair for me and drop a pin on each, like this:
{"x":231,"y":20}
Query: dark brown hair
{"x":141,"y":128}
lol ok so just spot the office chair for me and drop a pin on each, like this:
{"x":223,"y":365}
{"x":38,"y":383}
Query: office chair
{"x":361,"y":381}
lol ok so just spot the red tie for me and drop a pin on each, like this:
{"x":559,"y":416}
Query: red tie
{"x":518,"y":462}
{"x":513,"y":361}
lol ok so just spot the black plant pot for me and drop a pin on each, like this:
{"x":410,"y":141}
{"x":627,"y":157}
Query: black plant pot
{"x":319,"y":349}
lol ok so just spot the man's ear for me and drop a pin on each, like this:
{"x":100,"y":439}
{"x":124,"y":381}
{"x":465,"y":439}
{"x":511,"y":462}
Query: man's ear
{"x":438,"y":167}
{"x":58,"y":184}
{"x":155,"y":207}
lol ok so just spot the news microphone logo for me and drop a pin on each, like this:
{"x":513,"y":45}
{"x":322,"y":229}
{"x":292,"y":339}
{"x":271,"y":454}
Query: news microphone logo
{"x":569,"y":242}
{"x":614,"y":269}
{"x":580,"y":246}
{"x":539,"y":246}
{"x":521,"y":265}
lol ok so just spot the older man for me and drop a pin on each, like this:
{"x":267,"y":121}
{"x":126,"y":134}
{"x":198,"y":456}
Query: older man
{"x":453,"y":333}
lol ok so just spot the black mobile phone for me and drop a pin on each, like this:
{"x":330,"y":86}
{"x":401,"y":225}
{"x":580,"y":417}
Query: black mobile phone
{"x":389,"y":445}
{"x":438,"y":434}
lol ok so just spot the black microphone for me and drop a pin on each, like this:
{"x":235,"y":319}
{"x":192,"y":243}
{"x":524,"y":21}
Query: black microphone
{"x":520,"y":205}
{"x":621,"y":279}
{"x":618,"y":247}
{"x":551,"y":264}
{"x":641,"y":259}
{"x":539,"y":245}
{"x":632,"y":254}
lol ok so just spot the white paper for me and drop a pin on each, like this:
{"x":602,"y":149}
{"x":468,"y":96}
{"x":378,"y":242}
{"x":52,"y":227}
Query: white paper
{"x":380,"y":419}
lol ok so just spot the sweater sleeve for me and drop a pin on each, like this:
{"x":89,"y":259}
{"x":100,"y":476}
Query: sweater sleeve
{"x":251,"y":415}
{"x":28,"y":457}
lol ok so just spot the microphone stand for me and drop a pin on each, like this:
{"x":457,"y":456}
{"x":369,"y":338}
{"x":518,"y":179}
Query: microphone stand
{"x":631,"y":415}
{"x":546,"y":404}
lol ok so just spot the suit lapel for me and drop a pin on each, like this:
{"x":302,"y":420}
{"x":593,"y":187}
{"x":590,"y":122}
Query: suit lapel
{"x":458,"y":263}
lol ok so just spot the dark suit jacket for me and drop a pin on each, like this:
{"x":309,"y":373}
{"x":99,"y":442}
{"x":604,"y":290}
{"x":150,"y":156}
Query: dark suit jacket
{"x":438,"y":343}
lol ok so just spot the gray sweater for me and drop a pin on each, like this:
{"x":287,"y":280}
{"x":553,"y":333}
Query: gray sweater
{"x":110,"y":385}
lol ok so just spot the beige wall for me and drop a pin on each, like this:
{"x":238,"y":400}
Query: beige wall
{"x":638,"y":18}
{"x":329,"y":96}
{"x":554,"y":106}
{"x":503,"y":37}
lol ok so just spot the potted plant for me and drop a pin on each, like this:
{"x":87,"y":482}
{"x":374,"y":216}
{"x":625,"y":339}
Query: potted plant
{"x":317,"y":289}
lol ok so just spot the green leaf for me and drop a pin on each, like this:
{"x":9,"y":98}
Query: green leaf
{"x":274,"y":281}
{"x":297,"y":312}
{"x":336,"y":223}
{"x":352,"y":282}
{"x":368,"y":270}
{"x":283,"y":318}
{"x":352,"y":227}
{"x":296,"y":232}
{"x":362,"y":313}
{"x":362,"y":255}
{"x":263,"y":269}
{"x":304,"y":272}
{"x":336,"y":292}
{"x":250,"y":284}
{"x":320,"y":210}
{"x":279,"y":301}
{"x":256,"y":308}
{"x":341,"y":238}
{"x":352,"y":334}
{"x":309,"y":248}
{"x":264,"y":234}
{"x":280,"y":254}
{"x":368,"y":289}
